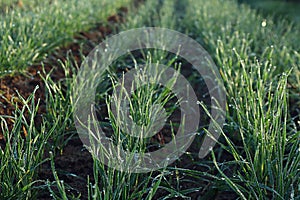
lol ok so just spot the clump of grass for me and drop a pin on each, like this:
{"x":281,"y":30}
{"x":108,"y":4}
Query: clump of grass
{"x":59,"y":110}
{"x":110,"y":183}
{"x":29,"y":36}
{"x":268,"y":162}
{"x":7,"y":6}
{"x":277,"y":8}
{"x":143,"y":16}
{"x":124,"y":183}
{"x":256,"y":68}
{"x":23,"y":152}
{"x":152,"y":13}
{"x":113,"y":184}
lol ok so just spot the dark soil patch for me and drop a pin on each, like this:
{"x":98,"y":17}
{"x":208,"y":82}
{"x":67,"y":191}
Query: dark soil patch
{"x":72,"y":166}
